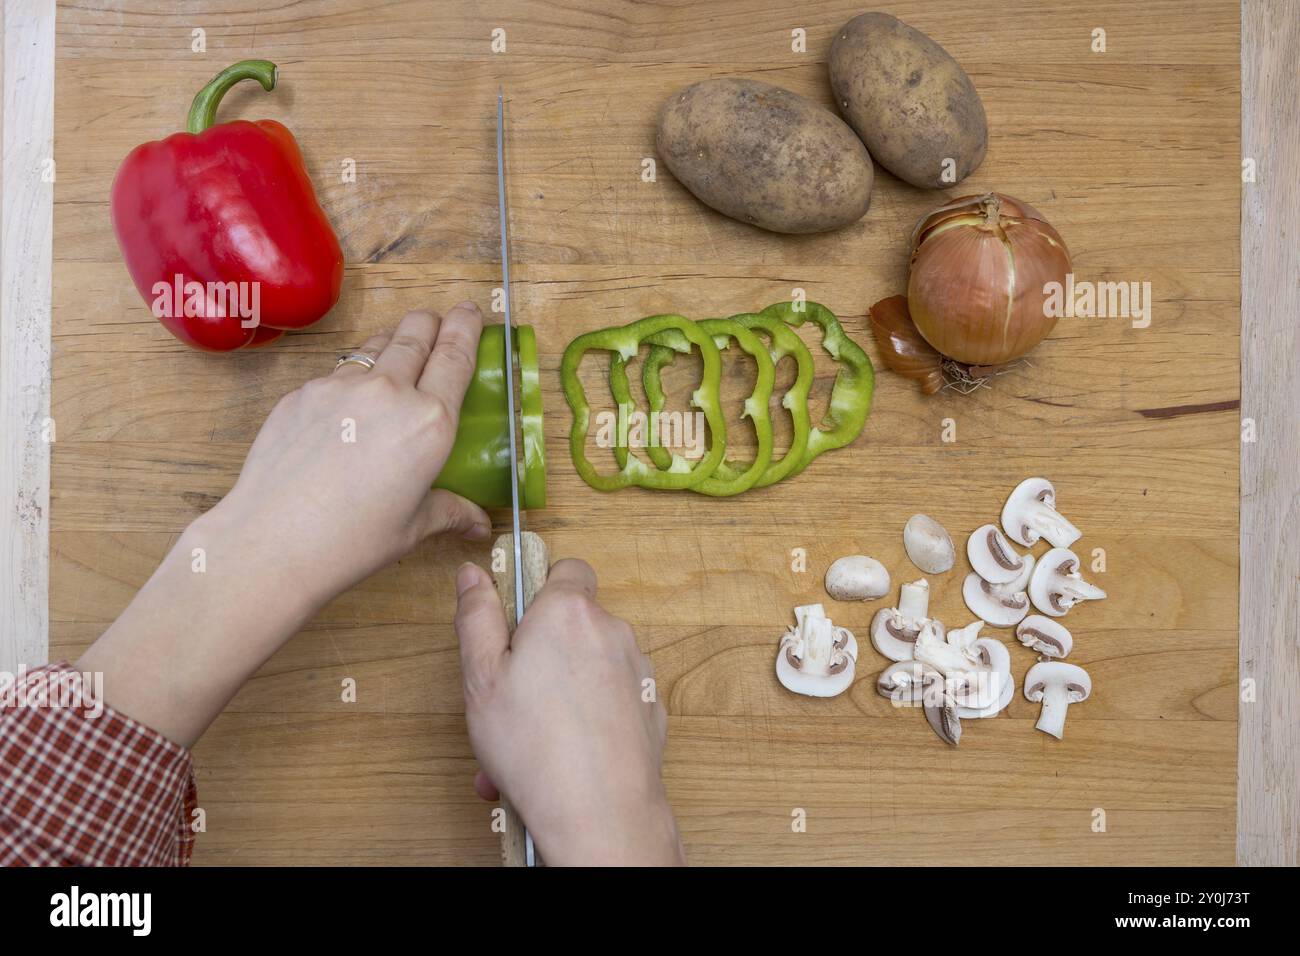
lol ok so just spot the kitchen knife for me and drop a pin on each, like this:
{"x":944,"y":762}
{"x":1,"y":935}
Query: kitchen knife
{"x":523,"y":571}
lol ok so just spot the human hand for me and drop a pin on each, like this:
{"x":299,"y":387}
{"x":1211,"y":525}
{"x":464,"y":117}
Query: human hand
{"x":558,"y":721}
{"x":335,"y":487}
{"x":337,"y":483}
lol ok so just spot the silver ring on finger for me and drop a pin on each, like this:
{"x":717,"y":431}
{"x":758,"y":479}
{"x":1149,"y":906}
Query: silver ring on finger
{"x":355,"y":358}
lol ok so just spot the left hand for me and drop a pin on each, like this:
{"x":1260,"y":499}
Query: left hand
{"x":337,"y":483}
{"x":335,"y":487}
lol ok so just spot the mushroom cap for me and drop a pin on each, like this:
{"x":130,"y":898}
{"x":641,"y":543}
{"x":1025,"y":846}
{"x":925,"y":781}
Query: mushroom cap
{"x":998,"y":660}
{"x":895,"y":642}
{"x":818,"y":681}
{"x":1056,"y":569}
{"x":826,"y":655}
{"x":995,"y":604}
{"x":992,"y":556}
{"x":943,"y":718}
{"x":928,"y":544}
{"x":857,"y":577}
{"x":1046,"y":636}
{"x":1052,"y":567}
{"x":903,"y":682}
{"x":812,"y":685}
{"x":1027,"y":492}
{"x":1046,"y":673}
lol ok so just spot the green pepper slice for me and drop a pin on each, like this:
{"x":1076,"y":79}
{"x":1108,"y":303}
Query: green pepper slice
{"x":625,"y":342}
{"x":664,"y":348}
{"x":785,"y":342}
{"x":478,"y":465}
{"x":854,"y":382}
{"x":530,"y":420}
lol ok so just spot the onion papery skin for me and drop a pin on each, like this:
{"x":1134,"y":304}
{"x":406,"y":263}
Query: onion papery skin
{"x":901,"y":346}
{"x":976,"y":286}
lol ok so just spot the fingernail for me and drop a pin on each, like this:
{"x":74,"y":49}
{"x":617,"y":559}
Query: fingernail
{"x":465,"y":576}
{"x":468,"y":306}
{"x":480,"y":532}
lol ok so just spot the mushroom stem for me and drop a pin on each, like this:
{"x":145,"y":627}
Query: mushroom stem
{"x":914,"y":600}
{"x":1052,"y":525}
{"x":1081,"y":590}
{"x":1056,"y":701}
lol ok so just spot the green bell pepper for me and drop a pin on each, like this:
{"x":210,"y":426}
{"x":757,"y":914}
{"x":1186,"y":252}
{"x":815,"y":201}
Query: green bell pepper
{"x":665,"y":345}
{"x":625,"y":342}
{"x":785,"y":342}
{"x":854,"y":383}
{"x":478,"y":467}
{"x":850,"y":399}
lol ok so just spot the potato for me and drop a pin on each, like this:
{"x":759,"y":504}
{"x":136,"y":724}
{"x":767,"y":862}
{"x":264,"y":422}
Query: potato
{"x":765,"y":156}
{"x":911,"y":103}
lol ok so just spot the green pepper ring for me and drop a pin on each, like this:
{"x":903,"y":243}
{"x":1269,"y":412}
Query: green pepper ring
{"x":724,"y":331}
{"x":850,"y":395}
{"x":625,"y":341}
{"x":785,"y":342}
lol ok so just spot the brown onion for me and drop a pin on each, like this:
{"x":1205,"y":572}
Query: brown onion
{"x":901,"y":346}
{"x":979,"y":265}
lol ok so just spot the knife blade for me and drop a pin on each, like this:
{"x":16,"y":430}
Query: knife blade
{"x":516,"y":525}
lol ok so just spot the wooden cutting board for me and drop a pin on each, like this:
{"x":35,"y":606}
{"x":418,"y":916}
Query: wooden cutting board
{"x":1133,"y":154}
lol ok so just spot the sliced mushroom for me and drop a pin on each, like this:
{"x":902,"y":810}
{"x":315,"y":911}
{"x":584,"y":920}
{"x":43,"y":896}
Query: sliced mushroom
{"x":992,"y":556}
{"x":969,"y":663}
{"x":894,"y":629}
{"x":903,"y":682}
{"x":816,"y":658}
{"x":993,"y":687}
{"x":1002,"y":605}
{"x":928,"y":544}
{"x":941,"y":714}
{"x":806,"y":611}
{"x":1057,"y":585}
{"x":1030,"y":513}
{"x":1045,"y":636}
{"x":1058,"y":685}
{"x":908,"y":683}
{"x":951,"y":653}
{"x":954,"y":674}
{"x":857,"y":577}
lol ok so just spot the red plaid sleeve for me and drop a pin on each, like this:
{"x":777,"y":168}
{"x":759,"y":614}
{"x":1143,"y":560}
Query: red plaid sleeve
{"x":83,"y":785}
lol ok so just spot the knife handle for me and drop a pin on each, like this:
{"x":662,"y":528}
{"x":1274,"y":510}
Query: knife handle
{"x":536,"y":562}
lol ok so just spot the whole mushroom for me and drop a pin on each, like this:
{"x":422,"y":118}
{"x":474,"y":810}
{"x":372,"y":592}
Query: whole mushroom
{"x":857,"y":577}
{"x":928,"y":544}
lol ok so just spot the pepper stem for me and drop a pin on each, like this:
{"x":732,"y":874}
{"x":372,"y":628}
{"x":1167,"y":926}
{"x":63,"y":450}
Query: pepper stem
{"x":203,"y":111}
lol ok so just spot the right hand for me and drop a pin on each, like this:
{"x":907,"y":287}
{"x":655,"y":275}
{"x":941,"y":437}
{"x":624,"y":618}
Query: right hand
{"x":558,"y":721}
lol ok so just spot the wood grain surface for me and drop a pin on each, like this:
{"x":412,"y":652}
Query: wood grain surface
{"x":26,"y":230}
{"x":1268,"y":818}
{"x":1135,"y":156}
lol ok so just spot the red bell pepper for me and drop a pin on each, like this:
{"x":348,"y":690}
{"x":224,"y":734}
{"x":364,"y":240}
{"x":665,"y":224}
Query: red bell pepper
{"x":220,"y":226}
